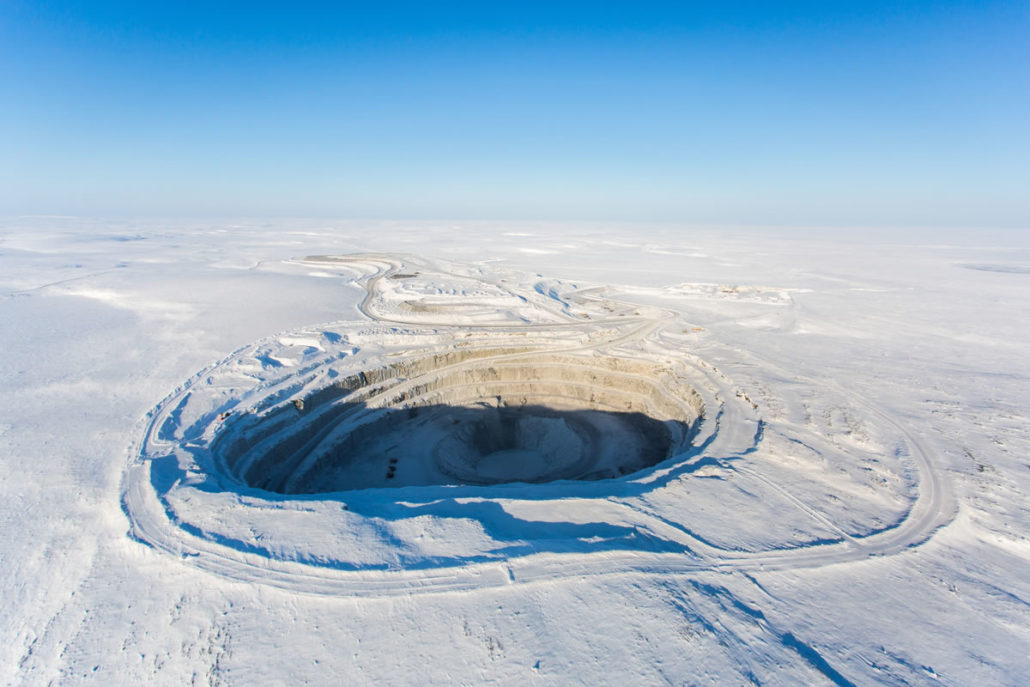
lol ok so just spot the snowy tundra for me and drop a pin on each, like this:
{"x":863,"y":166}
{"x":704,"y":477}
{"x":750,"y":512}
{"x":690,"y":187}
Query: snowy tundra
{"x":314,"y":452}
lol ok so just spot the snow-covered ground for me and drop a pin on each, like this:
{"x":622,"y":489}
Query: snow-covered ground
{"x":268,"y":452}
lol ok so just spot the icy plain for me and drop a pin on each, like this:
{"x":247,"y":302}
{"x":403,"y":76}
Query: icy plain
{"x":301,"y":452}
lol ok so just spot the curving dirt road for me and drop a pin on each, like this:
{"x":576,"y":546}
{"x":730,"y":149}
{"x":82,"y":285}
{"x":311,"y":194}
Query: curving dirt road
{"x":733,"y":429}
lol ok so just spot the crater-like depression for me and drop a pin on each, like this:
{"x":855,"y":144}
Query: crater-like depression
{"x":465,"y":418}
{"x":507,"y":416}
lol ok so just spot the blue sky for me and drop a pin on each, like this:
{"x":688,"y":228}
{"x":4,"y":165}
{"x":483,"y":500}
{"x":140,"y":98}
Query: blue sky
{"x":825,"y":113}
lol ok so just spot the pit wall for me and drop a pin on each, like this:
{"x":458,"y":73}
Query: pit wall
{"x":271,"y":441}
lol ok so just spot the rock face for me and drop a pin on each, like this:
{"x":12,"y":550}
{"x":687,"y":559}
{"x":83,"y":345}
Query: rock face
{"x":474,"y":417}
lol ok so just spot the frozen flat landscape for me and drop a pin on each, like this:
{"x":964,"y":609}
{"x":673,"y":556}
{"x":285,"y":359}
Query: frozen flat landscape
{"x":314,"y":452}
